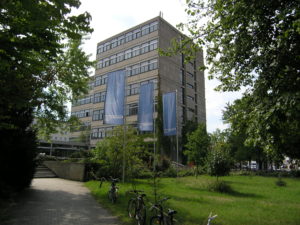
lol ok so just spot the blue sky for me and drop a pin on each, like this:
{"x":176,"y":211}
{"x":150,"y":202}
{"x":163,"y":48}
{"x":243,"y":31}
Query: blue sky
{"x":112,"y":17}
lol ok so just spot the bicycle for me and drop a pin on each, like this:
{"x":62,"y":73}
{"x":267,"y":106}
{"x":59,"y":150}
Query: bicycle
{"x":136,"y":207}
{"x":161,"y":217}
{"x":113,"y":191}
{"x":210,"y":218}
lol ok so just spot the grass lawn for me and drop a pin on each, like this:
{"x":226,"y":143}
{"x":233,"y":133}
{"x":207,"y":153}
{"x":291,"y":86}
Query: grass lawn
{"x":254,"y":200}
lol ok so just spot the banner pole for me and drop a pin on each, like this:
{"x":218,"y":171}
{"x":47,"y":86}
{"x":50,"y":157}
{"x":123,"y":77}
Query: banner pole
{"x":154,"y":147}
{"x":177,"y":153}
{"x":124,"y":123}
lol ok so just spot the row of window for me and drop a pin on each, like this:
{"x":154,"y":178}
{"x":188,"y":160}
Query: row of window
{"x":99,"y":97}
{"x":82,"y":113}
{"x":141,"y":67}
{"x":134,"y":89}
{"x":83,"y":101}
{"x":128,"y":37}
{"x":129,"y":53}
{"x":131,"y":70}
{"x":99,"y":133}
{"x":131,"y":89}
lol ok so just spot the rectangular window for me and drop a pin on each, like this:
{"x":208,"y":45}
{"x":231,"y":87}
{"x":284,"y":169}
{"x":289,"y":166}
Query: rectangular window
{"x":153,"y":45}
{"x":102,"y":96}
{"x":98,"y":114}
{"x":128,"y":54}
{"x":153,"y":26}
{"x":97,"y":97}
{"x":128,"y":71}
{"x":95,"y":133}
{"x":113,"y":59}
{"x":106,"y":62}
{"x":132,"y":109}
{"x":121,"y":40}
{"x":120,"y":57}
{"x":144,"y":67}
{"x":114,"y":43}
{"x":128,"y":37}
{"x":135,"y":51}
{"x":144,"y":48}
{"x":190,"y":74}
{"x":133,"y":89}
{"x":99,"y":64}
{"x":145,"y":30}
{"x":135,"y":69}
{"x":136,"y":33}
{"x":100,"y":49}
{"x":190,"y":85}
{"x":153,"y":64}
{"x":190,"y":97}
{"x":107,"y":46}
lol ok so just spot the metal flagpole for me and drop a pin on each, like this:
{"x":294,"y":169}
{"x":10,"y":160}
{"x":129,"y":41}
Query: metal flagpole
{"x":177,"y":156}
{"x":154,"y":149}
{"x":124,"y":121}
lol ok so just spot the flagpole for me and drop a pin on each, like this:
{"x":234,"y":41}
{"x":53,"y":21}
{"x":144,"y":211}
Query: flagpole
{"x":154,"y":147}
{"x":124,"y":122}
{"x":177,"y":156}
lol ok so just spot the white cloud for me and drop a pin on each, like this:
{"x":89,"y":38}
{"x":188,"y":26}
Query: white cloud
{"x":112,"y":17}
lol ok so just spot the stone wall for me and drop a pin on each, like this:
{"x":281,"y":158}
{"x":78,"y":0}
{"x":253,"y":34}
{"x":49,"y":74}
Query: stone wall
{"x":70,"y":171}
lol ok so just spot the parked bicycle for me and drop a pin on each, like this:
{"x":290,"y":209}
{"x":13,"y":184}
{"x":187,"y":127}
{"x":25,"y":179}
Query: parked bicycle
{"x":210,"y":218}
{"x":136,"y":207}
{"x":113,"y":191}
{"x":161,"y":217}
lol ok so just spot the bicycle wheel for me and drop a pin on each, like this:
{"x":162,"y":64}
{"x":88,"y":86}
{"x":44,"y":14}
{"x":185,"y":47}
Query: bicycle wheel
{"x":131,"y":208}
{"x":141,"y":216}
{"x":155,"y":220}
{"x":112,"y":196}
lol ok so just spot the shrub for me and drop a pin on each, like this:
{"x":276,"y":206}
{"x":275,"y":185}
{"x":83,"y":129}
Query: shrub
{"x":218,"y":162}
{"x":219,"y":186}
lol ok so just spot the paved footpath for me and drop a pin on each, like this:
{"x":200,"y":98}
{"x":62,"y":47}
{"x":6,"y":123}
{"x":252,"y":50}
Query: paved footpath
{"x":55,"y":201}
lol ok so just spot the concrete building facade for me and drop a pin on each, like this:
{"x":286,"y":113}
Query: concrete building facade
{"x":136,"y":51}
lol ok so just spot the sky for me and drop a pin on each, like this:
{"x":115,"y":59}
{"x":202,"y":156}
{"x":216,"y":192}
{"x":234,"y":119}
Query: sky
{"x":112,"y":17}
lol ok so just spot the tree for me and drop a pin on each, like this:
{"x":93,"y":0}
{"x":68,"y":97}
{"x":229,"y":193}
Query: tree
{"x":253,"y":45}
{"x":36,"y":75}
{"x":110,"y":153}
{"x":197,"y":146}
{"x":188,"y":127}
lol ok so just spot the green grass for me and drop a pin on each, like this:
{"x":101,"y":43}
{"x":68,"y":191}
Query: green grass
{"x":254,"y":200}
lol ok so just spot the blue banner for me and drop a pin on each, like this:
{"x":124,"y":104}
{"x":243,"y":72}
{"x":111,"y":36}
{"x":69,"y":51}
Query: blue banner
{"x":114,"y":100}
{"x":169,"y":113}
{"x":145,"y":113}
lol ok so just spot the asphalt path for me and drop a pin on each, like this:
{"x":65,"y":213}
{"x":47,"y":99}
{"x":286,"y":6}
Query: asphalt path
{"x":55,"y":201}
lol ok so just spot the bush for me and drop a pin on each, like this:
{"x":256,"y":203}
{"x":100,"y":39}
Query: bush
{"x":280,"y":183}
{"x":219,"y":186}
{"x":218,"y":162}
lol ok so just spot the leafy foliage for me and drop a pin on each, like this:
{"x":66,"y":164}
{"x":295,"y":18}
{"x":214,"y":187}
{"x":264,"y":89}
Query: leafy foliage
{"x":110,"y":153}
{"x":197,"y":146}
{"x":37,"y":73}
{"x":253,"y":45}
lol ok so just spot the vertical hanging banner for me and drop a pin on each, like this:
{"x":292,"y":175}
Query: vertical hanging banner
{"x":114,"y":100}
{"x":169,"y":113}
{"x":145,"y":113}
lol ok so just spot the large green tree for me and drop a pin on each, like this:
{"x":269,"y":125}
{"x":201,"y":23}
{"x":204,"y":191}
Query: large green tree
{"x":253,"y":45}
{"x":36,"y":75}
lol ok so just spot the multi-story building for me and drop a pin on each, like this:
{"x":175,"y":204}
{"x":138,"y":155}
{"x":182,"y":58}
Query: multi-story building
{"x":136,"y":51}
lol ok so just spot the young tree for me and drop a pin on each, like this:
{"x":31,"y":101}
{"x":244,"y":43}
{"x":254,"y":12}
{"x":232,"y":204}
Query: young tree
{"x":197,"y":146}
{"x":218,"y":161}
{"x":110,"y":153}
{"x":253,"y":45}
